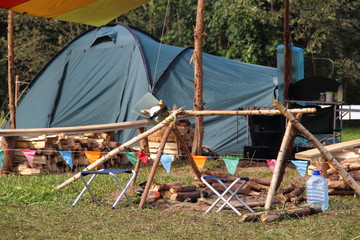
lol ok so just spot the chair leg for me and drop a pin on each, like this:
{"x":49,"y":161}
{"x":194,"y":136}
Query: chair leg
{"x":87,"y":184}
{"x":123,"y":189}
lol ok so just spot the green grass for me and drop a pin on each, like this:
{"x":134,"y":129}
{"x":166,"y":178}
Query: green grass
{"x":31,"y":208}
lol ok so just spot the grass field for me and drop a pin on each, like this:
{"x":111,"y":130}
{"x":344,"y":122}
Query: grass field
{"x":30,"y":208}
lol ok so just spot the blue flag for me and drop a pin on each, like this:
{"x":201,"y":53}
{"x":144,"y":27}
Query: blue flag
{"x":301,"y":166}
{"x":67,"y":156}
{"x":166,"y":161}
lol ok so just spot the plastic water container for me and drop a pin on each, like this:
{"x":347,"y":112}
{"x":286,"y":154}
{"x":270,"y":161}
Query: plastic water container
{"x":317,"y":190}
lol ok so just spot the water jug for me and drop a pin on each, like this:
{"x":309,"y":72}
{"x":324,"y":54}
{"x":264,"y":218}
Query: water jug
{"x":317,"y":190}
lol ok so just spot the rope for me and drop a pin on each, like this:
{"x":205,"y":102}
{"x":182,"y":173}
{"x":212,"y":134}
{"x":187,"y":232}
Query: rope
{"x":162,"y":34}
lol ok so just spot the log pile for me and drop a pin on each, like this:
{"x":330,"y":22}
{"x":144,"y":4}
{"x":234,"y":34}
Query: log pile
{"x":350,"y":161}
{"x":175,"y":191}
{"x":48,"y":160}
{"x":172,"y":146}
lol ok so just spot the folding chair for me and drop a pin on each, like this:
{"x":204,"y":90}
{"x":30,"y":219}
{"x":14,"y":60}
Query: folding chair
{"x":227,"y":189}
{"x":111,"y":172}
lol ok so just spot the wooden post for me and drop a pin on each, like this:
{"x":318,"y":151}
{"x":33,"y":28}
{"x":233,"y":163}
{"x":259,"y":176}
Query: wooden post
{"x":187,"y":153}
{"x":155,"y":164}
{"x":17,"y":87}
{"x":328,"y":157}
{"x":287,"y":51}
{"x":9,"y":143}
{"x":144,"y":145}
{"x":280,"y":162}
{"x":198,"y":78}
{"x":122,"y":148}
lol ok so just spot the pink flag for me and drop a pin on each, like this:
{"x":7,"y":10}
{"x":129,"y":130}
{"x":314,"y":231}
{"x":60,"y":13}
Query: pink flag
{"x":142,"y":156}
{"x":271,"y":163}
{"x":29,"y":154}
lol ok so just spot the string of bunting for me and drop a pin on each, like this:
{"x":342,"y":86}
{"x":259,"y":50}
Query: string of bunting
{"x":166,"y":160}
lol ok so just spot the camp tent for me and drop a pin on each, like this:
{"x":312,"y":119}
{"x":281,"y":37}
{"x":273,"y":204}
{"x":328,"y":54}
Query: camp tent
{"x":101,"y":75}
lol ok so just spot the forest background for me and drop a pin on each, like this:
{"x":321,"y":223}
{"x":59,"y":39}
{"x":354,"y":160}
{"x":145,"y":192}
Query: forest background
{"x":243,"y":30}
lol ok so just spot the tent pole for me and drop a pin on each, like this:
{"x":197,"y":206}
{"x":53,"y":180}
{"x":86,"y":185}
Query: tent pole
{"x":198,"y":78}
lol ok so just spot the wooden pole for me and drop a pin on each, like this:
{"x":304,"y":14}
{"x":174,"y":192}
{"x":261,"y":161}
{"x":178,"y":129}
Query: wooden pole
{"x":346,"y":176}
{"x":9,"y":143}
{"x":11,"y":80}
{"x":144,"y":145}
{"x":198,"y":78}
{"x":122,"y":148}
{"x":185,"y":148}
{"x":280,"y":162}
{"x":287,"y":51}
{"x":243,"y":112}
{"x":17,"y":87}
{"x":155,"y":164}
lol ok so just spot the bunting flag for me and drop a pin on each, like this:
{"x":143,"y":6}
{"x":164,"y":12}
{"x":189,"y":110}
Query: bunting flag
{"x":92,"y":12}
{"x":2,"y":158}
{"x":199,"y":161}
{"x":166,"y":161}
{"x":142,"y":156}
{"x":67,"y":156}
{"x":92,"y":156}
{"x":301,"y":166}
{"x":29,"y":154}
{"x":231,"y":164}
{"x":131,"y":156}
{"x":271,"y":163}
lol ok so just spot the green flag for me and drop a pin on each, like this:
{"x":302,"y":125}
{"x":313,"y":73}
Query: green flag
{"x":2,"y":158}
{"x":131,"y":156}
{"x":231,"y":164}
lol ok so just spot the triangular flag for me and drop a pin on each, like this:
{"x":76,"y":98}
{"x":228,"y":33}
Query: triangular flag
{"x":67,"y":156}
{"x":166,"y":161}
{"x":271,"y":163}
{"x":131,"y":156}
{"x":301,"y":166}
{"x":231,"y":164}
{"x":199,"y":161}
{"x":142,"y":156}
{"x":29,"y":154}
{"x":2,"y":158}
{"x":92,"y":156}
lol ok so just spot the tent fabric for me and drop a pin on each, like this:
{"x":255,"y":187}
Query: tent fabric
{"x":91,"y":12}
{"x":98,"y":80}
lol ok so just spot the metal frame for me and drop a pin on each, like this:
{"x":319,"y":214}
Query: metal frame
{"x":227,"y":190}
{"x":111,"y":172}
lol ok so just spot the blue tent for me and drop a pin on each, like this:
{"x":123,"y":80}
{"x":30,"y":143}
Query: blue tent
{"x":100,"y":76}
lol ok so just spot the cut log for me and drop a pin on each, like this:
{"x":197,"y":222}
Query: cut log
{"x":160,"y":187}
{"x":244,"y":190}
{"x":293,"y":213}
{"x":257,"y":186}
{"x":339,"y":185}
{"x":287,"y":189}
{"x":341,"y":192}
{"x":217,"y":174}
{"x":263,"y":181}
{"x":182,"y":188}
{"x":193,"y":195}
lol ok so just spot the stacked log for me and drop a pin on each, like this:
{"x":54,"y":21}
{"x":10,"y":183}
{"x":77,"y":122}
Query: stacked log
{"x":176,"y":191}
{"x":47,"y":158}
{"x":350,"y":161}
{"x":172,"y":146}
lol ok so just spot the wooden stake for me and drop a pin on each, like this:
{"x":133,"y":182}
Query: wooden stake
{"x":287,"y":51}
{"x":186,"y":149}
{"x":155,"y":164}
{"x":144,"y":145}
{"x":198,"y":78}
{"x":122,"y":148}
{"x":11,"y":80}
{"x":346,"y":176}
{"x":278,"y":165}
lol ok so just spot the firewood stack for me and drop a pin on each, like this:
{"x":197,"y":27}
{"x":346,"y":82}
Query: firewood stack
{"x":350,"y":160}
{"x":172,"y":147}
{"x":48,"y":160}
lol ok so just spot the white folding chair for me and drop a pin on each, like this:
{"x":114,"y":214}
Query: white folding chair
{"x":227,"y":189}
{"x":111,"y":172}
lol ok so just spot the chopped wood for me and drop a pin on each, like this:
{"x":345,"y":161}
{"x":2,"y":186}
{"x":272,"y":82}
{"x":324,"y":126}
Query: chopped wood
{"x":292,"y":213}
{"x":160,"y":187}
{"x":244,"y":190}
{"x":257,"y":186}
{"x":287,"y":189}
{"x":182,"y":188}
{"x":341,"y":192}
{"x":339,"y":185}
{"x":193,"y":195}
{"x":217,"y":174}
{"x":263,"y":181}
